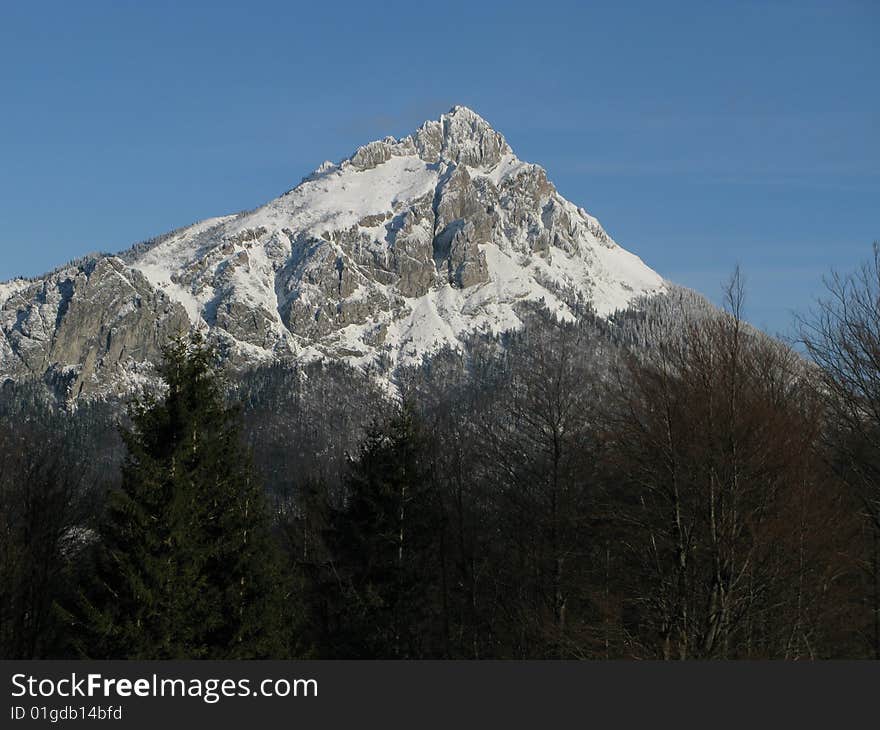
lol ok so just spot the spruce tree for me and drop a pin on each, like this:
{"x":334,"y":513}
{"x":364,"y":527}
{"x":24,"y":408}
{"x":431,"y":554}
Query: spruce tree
{"x":187,"y":566}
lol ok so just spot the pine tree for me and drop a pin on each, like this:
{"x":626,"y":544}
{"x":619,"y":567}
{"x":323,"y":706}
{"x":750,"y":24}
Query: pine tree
{"x":187,"y":566}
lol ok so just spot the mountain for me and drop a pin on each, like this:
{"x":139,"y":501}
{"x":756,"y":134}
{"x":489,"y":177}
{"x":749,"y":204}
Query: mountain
{"x":408,"y":245}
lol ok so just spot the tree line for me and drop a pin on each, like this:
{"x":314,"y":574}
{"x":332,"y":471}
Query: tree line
{"x":667,"y":483}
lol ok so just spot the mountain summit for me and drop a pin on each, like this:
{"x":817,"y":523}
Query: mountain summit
{"x":406,"y":246}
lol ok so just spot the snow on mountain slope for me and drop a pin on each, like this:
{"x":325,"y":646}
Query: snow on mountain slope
{"x":407,"y":245}
{"x":9,"y":288}
{"x":324,"y":269}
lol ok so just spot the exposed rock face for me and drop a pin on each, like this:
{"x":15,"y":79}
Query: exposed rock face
{"x":373,"y":154}
{"x":88,"y":325}
{"x":406,"y":246}
{"x":464,"y":219}
{"x":411,"y":237}
{"x":463,"y":137}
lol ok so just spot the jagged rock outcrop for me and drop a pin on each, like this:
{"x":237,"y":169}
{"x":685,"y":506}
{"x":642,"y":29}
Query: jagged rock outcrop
{"x":87,"y":327}
{"x":408,"y":245}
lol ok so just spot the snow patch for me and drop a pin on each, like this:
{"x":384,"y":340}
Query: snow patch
{"x":9,"y":289}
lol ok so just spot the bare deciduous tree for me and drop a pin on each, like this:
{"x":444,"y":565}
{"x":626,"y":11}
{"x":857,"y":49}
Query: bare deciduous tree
{"x":842,"y":336}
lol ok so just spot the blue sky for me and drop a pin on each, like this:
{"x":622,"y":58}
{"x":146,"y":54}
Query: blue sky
{"x":701,"y":134}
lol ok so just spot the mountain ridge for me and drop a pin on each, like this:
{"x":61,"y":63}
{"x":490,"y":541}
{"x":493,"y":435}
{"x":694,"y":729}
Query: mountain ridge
{"x":406,"y":246}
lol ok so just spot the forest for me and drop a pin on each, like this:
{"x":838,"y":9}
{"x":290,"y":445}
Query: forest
{"x":667,"y":483}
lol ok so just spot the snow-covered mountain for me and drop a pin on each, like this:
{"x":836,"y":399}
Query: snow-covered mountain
{"x":408,"y":245}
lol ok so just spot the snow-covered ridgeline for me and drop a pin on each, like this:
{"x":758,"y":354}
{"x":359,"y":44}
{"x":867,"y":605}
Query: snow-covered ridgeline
{"x":406,"y":246}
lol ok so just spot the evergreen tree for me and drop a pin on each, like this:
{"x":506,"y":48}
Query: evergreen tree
{"x":187,"y":566}
{"x":386,"y":546}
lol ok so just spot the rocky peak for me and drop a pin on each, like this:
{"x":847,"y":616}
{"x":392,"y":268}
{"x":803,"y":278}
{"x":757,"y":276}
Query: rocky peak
{"x":461,"y":137}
